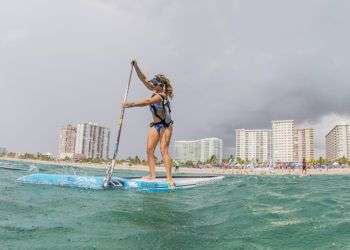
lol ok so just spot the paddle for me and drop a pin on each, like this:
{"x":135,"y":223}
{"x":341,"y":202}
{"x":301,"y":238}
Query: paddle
{"x":109,"y":172}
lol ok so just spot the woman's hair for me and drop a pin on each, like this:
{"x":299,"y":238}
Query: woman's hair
{"x":168,"y":89}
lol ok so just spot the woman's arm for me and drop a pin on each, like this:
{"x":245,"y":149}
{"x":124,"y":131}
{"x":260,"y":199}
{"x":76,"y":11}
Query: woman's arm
{"x":141,"y":76}
{"x":144,"y":102}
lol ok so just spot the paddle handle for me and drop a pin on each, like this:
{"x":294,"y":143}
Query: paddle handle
{"x":110,"y":169}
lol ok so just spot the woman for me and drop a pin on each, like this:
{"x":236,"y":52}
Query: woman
{"x":161,"y":128}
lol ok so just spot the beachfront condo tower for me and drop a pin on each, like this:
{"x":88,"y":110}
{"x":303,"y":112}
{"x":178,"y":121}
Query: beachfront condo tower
{"x":211,"y":147}
{"x":199,"y":150}
{"x":284,"y":143}
{"x":92,"y":141}
{"x":304,"y":144}
{"x":188,"y":151}
{"x":3,"y":151}
{"x":283,"y":137}
{"x":66,"y":141}
{"x":338,"y":143}
{"x":254,"y":145}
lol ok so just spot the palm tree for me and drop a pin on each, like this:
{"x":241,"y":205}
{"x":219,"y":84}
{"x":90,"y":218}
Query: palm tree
{"x":212,"y":160}
{"x":240,"y":160}
{"x":137,"y":160}
{"x":343,"y":160}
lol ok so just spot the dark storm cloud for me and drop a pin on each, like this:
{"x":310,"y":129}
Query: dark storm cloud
{"x":234,"y":64}
{"x":305,"y":91}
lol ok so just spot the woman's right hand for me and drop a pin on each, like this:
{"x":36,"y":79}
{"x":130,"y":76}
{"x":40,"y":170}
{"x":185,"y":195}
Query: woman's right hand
{"x":127,"y":104}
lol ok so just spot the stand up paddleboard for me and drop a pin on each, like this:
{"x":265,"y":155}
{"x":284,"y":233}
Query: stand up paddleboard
{"x":137,"y":184}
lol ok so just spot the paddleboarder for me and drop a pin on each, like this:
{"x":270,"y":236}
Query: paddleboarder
{"x":161,"y":128}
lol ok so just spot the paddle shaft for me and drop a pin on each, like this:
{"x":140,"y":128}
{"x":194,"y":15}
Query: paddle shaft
{"x":109,"y":171}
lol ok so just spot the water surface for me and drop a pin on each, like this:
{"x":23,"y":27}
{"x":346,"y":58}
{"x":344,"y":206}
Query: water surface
{"x":241,"y":212}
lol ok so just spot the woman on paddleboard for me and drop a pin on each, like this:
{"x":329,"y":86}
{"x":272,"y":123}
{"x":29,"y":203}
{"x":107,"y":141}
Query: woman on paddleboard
{"x":161,"y":128}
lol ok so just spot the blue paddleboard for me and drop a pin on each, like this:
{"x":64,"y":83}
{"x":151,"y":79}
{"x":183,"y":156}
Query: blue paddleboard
{"x":138,"y":184}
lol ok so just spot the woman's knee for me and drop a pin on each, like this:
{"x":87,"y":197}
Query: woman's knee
{"x":150,"y":151}
{"x":164,"y":151}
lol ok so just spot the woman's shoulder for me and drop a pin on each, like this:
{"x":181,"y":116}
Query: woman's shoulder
{"x":162,"y":95}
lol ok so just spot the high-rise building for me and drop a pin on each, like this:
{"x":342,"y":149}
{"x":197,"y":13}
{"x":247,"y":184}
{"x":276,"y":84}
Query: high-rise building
{"x":188,"y":151}
{"x":199,"y":150}
{"x":211,"y":147}
{"x":66,"y":142}
{"x":304,"y":144}
{"x":338,"y":142}
{"x":92,"y":141}
{"x":254,"y":144}
{"x":3,"y":151}
{"x":284,"y":143}
{"x":283,"y":140}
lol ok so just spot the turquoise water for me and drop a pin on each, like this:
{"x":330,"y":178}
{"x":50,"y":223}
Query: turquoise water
{"x":241,"y":212}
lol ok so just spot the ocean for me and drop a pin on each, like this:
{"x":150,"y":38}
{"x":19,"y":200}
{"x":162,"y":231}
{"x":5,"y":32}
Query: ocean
{"x":240,"y":212}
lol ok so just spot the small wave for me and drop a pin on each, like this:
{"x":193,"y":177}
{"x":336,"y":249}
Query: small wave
{"x":31,"y":229}
{"x":285,"y":223}
{"x":275,"y":210}
{"x":33,"y":168}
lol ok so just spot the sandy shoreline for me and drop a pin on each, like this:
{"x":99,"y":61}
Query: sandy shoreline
{"x":211,"y":171}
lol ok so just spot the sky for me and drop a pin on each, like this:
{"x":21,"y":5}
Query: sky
{"x":233,"y":64}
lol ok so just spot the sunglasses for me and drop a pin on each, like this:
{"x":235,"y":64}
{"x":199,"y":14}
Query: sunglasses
{"x":156,"y":82}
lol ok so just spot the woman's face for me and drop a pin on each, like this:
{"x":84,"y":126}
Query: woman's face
{"x":158,"y":88}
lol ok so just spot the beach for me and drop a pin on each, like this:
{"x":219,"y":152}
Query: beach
{"x":190,"y":170}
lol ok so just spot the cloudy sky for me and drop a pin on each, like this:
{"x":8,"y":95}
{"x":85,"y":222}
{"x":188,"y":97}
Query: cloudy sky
{"x":234,"y":64}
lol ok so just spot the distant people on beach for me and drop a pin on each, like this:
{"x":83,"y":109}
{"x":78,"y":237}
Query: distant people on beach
{"x":292,"y":168}
{"x":303,"y":171}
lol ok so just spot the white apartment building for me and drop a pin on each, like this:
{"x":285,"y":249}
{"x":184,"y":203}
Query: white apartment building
{"x":304,"y":144}
{"x":284,"y":143}
{"x":188,"y":151}
{"x":254,"y":145}
{"x":209,"y":147}
{"x":283,"y":136}
{"x":66,"y":141}
{"x":199,"y":150}
{"x":92,"y":141}
{"x":338,"y":142}
{"x":3,"y":151}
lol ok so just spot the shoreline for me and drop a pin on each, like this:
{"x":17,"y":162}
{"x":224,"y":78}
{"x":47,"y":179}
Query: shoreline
{"x":185,"y":170}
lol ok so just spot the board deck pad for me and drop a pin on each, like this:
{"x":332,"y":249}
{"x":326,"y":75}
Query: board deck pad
{"x":138,"y":184}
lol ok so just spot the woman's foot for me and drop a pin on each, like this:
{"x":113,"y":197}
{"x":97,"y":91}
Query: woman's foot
{"x":149,"y":178}
{"x":171,"y":183}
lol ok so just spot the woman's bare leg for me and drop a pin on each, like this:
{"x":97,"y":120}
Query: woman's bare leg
{"x":165,"y":137}
{"x":152,"y":141}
